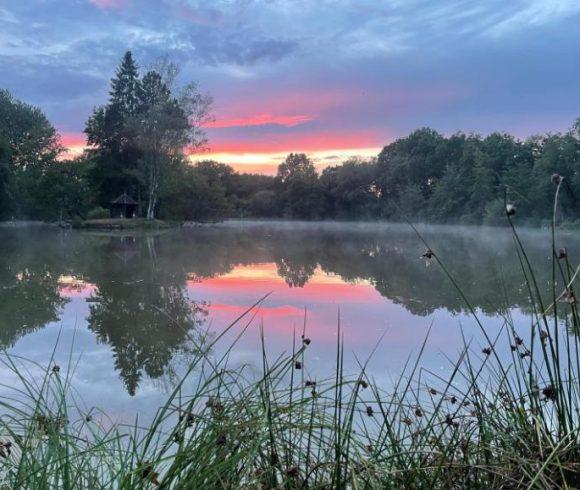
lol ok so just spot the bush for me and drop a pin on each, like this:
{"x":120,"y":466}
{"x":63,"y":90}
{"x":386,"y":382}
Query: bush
{"x":98,"y":213}
{"x":263,"y":204}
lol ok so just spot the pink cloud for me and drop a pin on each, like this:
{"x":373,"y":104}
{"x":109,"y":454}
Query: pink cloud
{"x":311,"y":141}
{"x":208,"y":17}
{"x":276,"y":103}
{"x":261,"y":120}
{"x":109,"y":4}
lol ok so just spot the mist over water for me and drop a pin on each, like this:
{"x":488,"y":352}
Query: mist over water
{"x":130,"y":309}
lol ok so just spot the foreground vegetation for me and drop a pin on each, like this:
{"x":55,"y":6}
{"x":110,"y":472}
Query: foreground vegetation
{"x":507,"y":415}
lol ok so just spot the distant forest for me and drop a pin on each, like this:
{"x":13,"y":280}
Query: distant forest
{"x":139,"y":142}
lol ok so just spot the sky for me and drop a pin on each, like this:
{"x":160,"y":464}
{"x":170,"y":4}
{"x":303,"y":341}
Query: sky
{"x":331,"y":78}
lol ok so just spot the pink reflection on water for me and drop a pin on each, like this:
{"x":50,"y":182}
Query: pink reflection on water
{"x":365,"y":315}
{"x":73,"y":287}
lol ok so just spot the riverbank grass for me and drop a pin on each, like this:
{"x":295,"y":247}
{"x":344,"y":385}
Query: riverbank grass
{"x":121,"y":224}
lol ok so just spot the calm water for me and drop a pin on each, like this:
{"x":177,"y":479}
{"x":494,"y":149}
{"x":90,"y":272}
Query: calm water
{"x":125,"y":308}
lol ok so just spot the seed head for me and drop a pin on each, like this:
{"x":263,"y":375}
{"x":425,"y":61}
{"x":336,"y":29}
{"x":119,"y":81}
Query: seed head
{"x":147,"y":473}
{"x":5,"y":449}
{"x":550,"y":393}
{"x":221,"y":439}
{"x":297,"y":365}
{"x":556,"y":179}
{"x":486,"y":351}
{"x":428,"y":254}
{"x":363,"y":384}
{"x":370,"y":411}
{"x":569,"y":296}
{"x":274,"y":459}
{"x":562,"y":253}
{"x":56,"y":369}
{"x":310,"y":383}
{"x":306,"y":341}
{"x":418,"y":412}
{"x":510,"y":209}
{"x":543,"y":335}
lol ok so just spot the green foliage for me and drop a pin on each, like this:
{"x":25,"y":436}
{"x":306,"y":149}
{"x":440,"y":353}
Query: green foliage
{"x":142,"y":133}
{"x":25,"y":130}
{"x":5,"y":180}
{"x":98,"y":213}
{"x":139,"y":144}
{"x":29,"y":148}
{"x":196,"y":193}
{"x":299,"y":188}
{"x":463,"y":179}
{"x":425,"y":176}
{"x":112,"y":140}
{"x":263,"y":204}
{"x":63,"y":191}
{"x":350,"y":190}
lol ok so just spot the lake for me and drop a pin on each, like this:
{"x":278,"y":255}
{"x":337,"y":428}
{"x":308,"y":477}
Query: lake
{"x":125,"y":312}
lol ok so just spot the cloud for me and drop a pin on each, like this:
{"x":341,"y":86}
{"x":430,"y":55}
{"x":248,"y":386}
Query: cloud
{"x":537,"y":13}
{"x":303,"y":142}
{"x":109,"y":4}
{"x":262,"y":120}
{"x":305,"y":76}
{"x":6,"y":16}
{"x":241,"y":48}
{"x":47,"y":84}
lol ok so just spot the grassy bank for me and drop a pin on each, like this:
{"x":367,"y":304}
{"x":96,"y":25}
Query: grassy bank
{"x":505,"y":416}
{"x":121,"y":224}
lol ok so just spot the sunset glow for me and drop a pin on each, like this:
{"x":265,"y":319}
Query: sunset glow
{"x":305,"y":77}
{"x":264,"y":157}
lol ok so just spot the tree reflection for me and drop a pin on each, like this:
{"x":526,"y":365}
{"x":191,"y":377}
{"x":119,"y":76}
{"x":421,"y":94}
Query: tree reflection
{"x":29,"y":289}
{"x":295,"y":273}
{"x":142,"y":311}
{"x":145,"y":327}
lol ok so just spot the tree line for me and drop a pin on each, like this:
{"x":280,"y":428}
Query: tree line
{"x":140,"y":141}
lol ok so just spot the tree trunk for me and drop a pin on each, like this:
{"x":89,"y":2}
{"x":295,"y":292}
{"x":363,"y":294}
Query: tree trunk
{"x":152,"y":195}
{"x":152,"y":189}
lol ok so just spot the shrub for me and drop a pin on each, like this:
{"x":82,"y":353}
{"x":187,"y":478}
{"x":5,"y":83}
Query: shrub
{"x":98,"y":213}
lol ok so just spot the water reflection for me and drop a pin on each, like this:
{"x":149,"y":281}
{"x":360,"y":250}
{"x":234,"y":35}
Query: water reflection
{"x":141,"y":310}
{"x":29,"y":289}
{"x":149,"y":298}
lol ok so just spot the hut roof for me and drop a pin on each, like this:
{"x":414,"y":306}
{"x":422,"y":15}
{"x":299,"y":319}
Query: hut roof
{"x":124,"y":199}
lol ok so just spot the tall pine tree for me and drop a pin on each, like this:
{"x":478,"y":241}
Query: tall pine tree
{"x":111,"y":136}
{"x":126,"y":86}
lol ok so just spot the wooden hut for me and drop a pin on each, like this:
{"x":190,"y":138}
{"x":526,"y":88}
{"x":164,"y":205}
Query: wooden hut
{"x":124,"y":207}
